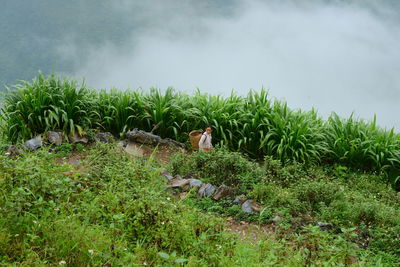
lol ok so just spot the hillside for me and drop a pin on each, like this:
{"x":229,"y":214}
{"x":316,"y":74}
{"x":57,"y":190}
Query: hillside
{"x":282,"y":188}
{"x":98,"y":205}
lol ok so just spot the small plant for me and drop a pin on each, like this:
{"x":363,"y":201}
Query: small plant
{"x":172,"y":258}
{"x":64,"y":149}
{"x":79,"y":148}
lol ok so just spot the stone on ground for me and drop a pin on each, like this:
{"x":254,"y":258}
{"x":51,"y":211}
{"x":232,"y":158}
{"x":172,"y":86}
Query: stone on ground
{"x":34,"y":143}
{"x":143,"y":137}
{"x":134,"y":149}
{"x":55,"y":138}
{"x":178,"y":183}
{"x":221,"y":192}
{"x":105,"y":138}
{"x":206,"y":190}
{"x":251,"y":206}
{"x":195,"y":183}
{"x":77,"y":139}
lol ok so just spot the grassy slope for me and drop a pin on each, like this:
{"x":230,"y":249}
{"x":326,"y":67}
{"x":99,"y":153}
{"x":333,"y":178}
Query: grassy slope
{"x":114,"y":210}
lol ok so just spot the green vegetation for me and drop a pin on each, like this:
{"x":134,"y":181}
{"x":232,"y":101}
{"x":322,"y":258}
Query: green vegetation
{"x":114,"y":209}
{"x":254,"y":125}
{"x":364,"y":213}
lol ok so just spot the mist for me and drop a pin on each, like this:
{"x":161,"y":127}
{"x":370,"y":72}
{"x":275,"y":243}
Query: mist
{"x":340,"y":56}
{"x":333,"y":56}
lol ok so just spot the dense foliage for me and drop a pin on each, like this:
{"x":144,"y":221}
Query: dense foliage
{"x":114,"y":210}
{"x":254,"y":125}
{"x":361,"y":209}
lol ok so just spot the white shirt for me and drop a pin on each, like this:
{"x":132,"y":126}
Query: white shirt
{"x":205,"y":141}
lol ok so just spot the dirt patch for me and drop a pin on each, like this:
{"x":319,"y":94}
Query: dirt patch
{"x":74,"y":160}
{"x":162,"y":152}
{"x":247,"y":231}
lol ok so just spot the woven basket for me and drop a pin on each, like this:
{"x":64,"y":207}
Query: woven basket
{"x":194,"y":137}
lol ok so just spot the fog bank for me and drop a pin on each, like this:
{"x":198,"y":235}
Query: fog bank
{"x":337,"y":56}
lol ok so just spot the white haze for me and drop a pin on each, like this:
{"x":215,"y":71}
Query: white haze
{"x":334,"y":57}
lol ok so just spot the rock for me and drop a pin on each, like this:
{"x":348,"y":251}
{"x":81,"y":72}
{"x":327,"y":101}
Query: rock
{"x":122,"y":144}
{"x":250,"y":206}
{"x":105,"y":138}
{"x":188,"y":176}
{"x":77,"y":139}
{"x":135,"y":150}
{"x":181,"y":184}
{"x":147,"y":138}
{"x":206,"y":190}
{"x":277,"y":219}
{"x":55,"y":138}
{"x":246,"y":207}
{"x":195,"y":183}
{"x":143,"y":137}
{"x":13,"y":151}
{"x":178,"y":177}
{"x":171,"y":142}
{"x":221,"y":192}
{"x":239,"y":200}
{"x":325,"y":226}
{"x":34,"y":143}
{"x":167,"y":175}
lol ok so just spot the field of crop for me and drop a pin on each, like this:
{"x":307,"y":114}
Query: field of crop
{"x":255,"y":125}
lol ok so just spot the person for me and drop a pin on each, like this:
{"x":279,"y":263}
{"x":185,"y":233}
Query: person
{"x":205,"y":142}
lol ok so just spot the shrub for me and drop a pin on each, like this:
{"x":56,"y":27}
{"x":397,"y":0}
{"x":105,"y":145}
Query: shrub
{"x":316,"y":193}
{"x":277,"y":198}
{"x":285,"y":174}
{"x":219,"y":167}
{"x":386,"y":239}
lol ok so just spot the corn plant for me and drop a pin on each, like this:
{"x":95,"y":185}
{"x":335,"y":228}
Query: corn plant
{"x":361,"y":144}
{"x":252,"y":124}
{"x":46,"y":104}
{"x":118,"y":111}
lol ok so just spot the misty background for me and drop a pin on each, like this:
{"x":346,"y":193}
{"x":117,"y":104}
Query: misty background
{"x":337,"y":55}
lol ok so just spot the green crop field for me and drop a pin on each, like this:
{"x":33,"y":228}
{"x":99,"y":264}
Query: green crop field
{"x":255,"y":125}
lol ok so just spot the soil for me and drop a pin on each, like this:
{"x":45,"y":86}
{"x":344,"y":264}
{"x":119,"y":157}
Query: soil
{"x":248,"y":231}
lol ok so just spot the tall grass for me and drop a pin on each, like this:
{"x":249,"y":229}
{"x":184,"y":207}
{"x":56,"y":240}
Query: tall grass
{"x":253,"y":124}
{"x":47,"y":103}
